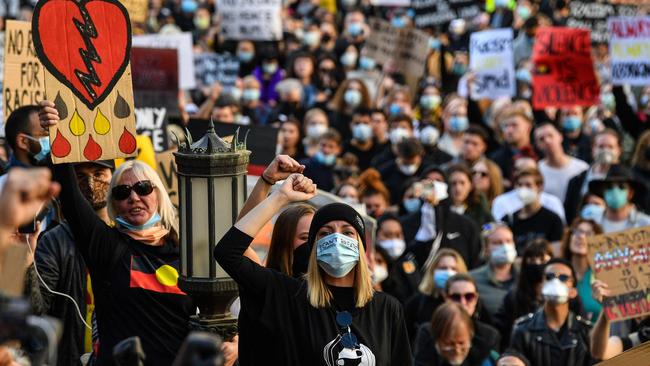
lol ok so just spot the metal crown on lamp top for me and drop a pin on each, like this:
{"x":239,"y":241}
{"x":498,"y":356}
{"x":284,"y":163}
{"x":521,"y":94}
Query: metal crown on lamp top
{"x":212,"y":191}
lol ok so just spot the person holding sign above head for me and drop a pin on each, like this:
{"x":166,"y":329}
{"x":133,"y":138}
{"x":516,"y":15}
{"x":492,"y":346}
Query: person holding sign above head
{"x":333,"y":317}
{"x":134,"y":265}
{"x":554,"y":335}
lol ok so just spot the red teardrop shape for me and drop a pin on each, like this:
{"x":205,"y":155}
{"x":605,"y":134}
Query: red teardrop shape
{"x":127,"y":142}
{"x":60,"y":146}
{"x":92,"y":151}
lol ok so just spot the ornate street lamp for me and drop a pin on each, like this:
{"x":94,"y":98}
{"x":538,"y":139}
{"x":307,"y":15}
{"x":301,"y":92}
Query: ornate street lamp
{"x":212,"y":191}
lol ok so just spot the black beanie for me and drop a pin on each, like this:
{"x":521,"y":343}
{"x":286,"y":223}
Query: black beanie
{"x":333,"y":212}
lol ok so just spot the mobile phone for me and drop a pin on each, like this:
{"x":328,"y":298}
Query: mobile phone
{"x":30,"y":228}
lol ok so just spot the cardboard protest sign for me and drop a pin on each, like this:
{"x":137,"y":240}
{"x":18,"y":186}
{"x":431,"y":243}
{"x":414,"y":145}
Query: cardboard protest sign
{"x":638,"y":355}
{"x":593,"y":14}
{"x":563,"y":72}
{"x":137,"y":9}
{"x":12,"y":269}
{"x":492,"y":60}
{"x":405,"y":49}
{"x":629,"y":48}
{"x":440,"y":12}
{"x":210,"y":67}
{"x":166,"y":167}
{"x":252,"y":20}
{"x":621,"y":260}
{"x":180,"y":42}
{"x":23,"y":73}
{"x":85,"y":47}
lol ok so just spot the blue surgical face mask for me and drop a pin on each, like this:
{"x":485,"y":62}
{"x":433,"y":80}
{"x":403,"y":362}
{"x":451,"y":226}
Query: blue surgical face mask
{"x":459,"y":69}
{"x":394,"y":109}
{"x":311,"y":39}
{"x":524,"y":76}
{"x":355,"y":29}
{"x":412,"y":204}
{"x":155,"y":218}
{"x":523,"y":12}
{"x":245,"y":56}
{"x":500,"y":3}
{"x":430,"y":102}
{"x":434,"y":43}
{"x":349,"y":59}
{"x":398,"y":22}
{"x":352,"y":97}
{"x":616,"y":197}
{"x":189,"y":6}
{"x":327,"y":160}
{"x":44,"y":142}
{"x":362,"y":132}
{"x":608,"y":101}
{"x":571,"y":123}
{"x":367,"y":63}
{"x":440,"y":277}
{"x":269,"y":68}
{"x":592,"y":211}
{"x":458,"y":123}
{"x":643,"y":101}
{"x":337,"y":254}
{"x":250,"y":95}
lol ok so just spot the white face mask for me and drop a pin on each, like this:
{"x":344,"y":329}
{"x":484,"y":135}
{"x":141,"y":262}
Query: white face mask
{"x":394,"y":247}
{"x":505,"y":253}
{"x":555,"y":291}
{"x":398,"y":134}
{"x":315,"y":131}
{"x":429,"y":136}
{"x":379,"y":274}
{"x":408,"y":169}
{"x":526,"y":195}
{"x":604,"y":156}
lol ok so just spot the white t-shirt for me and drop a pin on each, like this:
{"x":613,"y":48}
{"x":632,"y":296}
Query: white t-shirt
{"x":556,"y":181}
{"x":509,"y":203}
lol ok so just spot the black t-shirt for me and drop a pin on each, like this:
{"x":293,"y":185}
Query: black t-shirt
{"x":135,"y":285}
{"x":364,"y":156}
{"x":303,"y":334}
{"x":543,"y":224}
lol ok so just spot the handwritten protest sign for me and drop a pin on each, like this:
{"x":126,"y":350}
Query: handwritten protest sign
{"x":137,"y":10}
{"x":441,"y":12}
{"x":405,"y":49}
{"x":210,"y":67}
{"x":257,"y":20}
{"x":23,"y":73}
{"x":85,"y":48}
{"x":492,"y":61}
{"x":621,"y":260}
{"x":180,"y":42}
{"x":563,"y":71}
{"x":638,"y":355}
{"x":630,"y":50}
{"x":166,"y":167}
{"x":592,"y":15}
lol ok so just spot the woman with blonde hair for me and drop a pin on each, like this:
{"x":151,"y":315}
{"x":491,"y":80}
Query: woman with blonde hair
{"x":419,"y":308}
{"x":332,"y":316}
{"x":134,"y":265}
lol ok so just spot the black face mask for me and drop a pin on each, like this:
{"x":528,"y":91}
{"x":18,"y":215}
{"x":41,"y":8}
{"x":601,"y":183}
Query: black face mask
{"x":289,"y":108}
{"x":325,"y":38}
{"x":534,"y":273}
{"x":301,"y":260}
{"x":647,"y":153}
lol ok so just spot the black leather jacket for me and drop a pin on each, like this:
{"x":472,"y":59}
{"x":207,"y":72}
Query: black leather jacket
{"x":535,"y":340}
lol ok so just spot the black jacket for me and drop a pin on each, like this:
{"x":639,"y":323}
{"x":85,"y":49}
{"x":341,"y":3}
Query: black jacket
{"x":63,"y":269}
{"x":482,"y":350}
{"x":573,"y":197}
{"x":535,"y":340}
{"x":458,"y":232}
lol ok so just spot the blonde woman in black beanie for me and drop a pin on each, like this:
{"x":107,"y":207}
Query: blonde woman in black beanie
{"x":333,"y":316}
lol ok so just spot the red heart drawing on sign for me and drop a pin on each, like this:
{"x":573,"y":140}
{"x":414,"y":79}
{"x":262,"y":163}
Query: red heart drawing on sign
{"x":85,"y":44}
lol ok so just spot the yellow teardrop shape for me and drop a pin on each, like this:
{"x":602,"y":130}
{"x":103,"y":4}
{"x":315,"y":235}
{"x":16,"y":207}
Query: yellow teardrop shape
{"x":102,"y":125}
{"x":77,"y":125}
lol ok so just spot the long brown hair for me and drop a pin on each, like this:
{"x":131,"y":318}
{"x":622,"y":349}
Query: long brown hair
{"x":565,"y":245}
{"x":338,"y":103}
{"x":280,"y":255}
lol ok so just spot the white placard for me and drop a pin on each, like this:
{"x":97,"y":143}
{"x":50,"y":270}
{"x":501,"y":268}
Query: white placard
{"x":492,"y":61}
{"x":629,"y":47}
{"x":256,"y":20}
{"x":181,"y":42}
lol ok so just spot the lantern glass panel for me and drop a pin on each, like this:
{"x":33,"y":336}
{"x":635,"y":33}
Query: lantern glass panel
{"x":200,"y":228}
{"x":183,"y":225}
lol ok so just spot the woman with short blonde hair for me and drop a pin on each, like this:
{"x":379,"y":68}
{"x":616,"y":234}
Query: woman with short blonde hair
{"x":332,"y":314}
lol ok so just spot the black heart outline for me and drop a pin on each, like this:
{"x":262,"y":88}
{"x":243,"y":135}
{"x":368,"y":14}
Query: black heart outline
{"x":38,"y":47}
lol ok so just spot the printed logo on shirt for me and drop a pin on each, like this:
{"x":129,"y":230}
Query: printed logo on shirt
{"x":154,"y":275}
{"x":336,"y":354}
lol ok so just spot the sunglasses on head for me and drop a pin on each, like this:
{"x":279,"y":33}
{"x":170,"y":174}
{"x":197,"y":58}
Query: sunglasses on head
{"x":142,"y":188}
{"x":562,"y":277}
{"x":469,"y":297}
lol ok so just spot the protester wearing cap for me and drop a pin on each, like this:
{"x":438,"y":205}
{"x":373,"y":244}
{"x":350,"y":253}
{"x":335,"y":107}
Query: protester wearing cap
{"x":63,"y":269}
{"x":554,"y":335}
{"x":134,"y":265}
{"x":331,"y":317}
{"x":619,"y":189}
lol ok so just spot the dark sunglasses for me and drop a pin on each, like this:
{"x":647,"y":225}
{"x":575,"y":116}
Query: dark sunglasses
{"x":142,"y":188}
{"x":469,"y":297}
{"x":562,"y":277}
{"x":480,"y":173}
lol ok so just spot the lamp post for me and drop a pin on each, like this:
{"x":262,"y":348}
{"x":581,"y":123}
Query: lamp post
{"x":212,"y":191}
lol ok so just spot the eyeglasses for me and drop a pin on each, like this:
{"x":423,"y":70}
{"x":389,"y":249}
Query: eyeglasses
{"x":620,"y":185}
{"x":562,"y":277}
{"x":480,"y":173}
{"x":469,"y":297}
{"x":142,"y":188}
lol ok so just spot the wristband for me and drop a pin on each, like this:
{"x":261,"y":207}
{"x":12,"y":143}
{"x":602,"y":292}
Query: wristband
{"x":266,"y":180}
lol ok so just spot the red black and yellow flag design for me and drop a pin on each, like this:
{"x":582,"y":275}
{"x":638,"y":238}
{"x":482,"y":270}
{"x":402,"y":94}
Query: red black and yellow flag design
{"x":154,"y":275}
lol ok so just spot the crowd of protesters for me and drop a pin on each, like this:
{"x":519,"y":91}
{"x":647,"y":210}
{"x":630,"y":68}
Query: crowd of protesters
{"x":482,"y":208}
